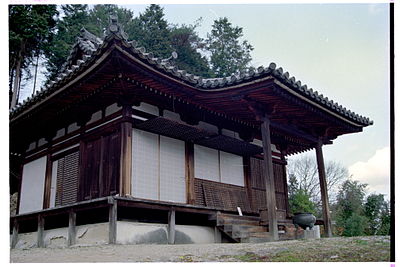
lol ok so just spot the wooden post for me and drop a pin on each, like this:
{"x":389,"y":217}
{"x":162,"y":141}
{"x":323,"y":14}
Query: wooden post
{"x":47,"y":183}
{"x":14,"y":238}
{"x":72,"y":228}
{"x":40,"y":231}
{"x":247,"y":180}
{"x":126,"y":159}
{"x":324,"y":190}
{"x":269,"y":178}
{"x":217,"y":235}
{"x":171,"y":227}
{"x":189,"y":172}
{"x":112,"y":218}
{"x":126,"y":152}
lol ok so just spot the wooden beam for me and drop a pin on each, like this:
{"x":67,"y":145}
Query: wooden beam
{"x":14,"y":238}
{"x":324,"y":190}
{"x":189,"y":172}
{"x":71,"y":228}
{"x":112,"y":220}
{"x":40,"y":231}
{"x":171,"y":226}
{"x":269,"y":178}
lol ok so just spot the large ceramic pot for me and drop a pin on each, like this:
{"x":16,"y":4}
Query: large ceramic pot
{"x":304,"y":220}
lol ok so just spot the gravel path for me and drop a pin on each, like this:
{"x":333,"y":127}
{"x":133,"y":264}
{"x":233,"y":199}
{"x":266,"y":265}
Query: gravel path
{"x":185,"y":253}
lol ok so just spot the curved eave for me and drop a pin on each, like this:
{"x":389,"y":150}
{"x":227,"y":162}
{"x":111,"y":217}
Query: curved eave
{"x":186,"y":81}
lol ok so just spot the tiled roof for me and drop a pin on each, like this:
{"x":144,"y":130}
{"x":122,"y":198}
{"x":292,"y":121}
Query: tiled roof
{"x":90,"y":45}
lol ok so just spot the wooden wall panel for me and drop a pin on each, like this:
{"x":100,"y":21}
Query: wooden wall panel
{"x":257,"y":182}
{"x":100,"y":167}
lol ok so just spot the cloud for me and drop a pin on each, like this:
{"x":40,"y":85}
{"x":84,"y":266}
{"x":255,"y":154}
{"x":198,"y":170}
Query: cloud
{"x":375,"y":171}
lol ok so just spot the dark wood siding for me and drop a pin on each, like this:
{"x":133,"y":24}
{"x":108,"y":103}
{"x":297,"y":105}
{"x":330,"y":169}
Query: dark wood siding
{"x":100,"y":166}
{"x":67,"y":179}
{"x":257,"y":171}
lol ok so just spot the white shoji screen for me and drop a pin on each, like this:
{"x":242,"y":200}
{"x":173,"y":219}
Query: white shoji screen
{"x":172,"y":170}
{"x":145,"y":165}
{"x":231,"y":168}
{"x":206,"y":163}
{"x":32,"y":188}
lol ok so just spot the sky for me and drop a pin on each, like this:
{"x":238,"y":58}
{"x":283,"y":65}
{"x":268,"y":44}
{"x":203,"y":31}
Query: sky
{"x":340,"y":50}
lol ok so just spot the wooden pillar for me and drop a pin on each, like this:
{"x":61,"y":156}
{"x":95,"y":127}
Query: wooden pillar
{"x":269,"y":178}
{"x":171,"y":227}
{"x":40,"y":232}
{"x":47,"y":182}
{"x":72,"y":228}
{"x":324,"y":190}
{"x":217,"y":235}
{"x":189,"y":172}
{"x":14,"y":238}
{"x":247,"y":180}
{"x":112,"y":219}
{"x":49,"y":169}
{"x":126,"y":153}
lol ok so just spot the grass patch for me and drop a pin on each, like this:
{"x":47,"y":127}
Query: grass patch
{"x":251,"y":257}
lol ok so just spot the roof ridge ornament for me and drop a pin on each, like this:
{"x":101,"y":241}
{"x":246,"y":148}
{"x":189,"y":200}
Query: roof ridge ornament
{"x":115,"y":28}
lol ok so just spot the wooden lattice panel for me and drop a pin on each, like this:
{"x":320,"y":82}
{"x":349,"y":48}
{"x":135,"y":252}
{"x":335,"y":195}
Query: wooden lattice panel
{"x":67,"y":179}
{"x":221,"y":196}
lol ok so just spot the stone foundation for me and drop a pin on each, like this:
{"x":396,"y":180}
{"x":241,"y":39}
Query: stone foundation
{"x":127,"y":233}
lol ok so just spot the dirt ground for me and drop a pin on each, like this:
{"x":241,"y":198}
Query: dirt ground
{"x":363,"y":249}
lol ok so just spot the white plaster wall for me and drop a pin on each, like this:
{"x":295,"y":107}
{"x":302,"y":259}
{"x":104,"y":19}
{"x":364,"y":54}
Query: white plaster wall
{"x":172,"y":116}
{"x":95,"y":117}
{"x":112,"y":109}
{"x":72,"y":127}
{"x":60,"y":132}
{"x":147,"y":108}
{"x":208,"y":127}
{"x":32,"y":188}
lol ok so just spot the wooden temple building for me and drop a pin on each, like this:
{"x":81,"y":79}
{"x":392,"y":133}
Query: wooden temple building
{"x":121,"y":137}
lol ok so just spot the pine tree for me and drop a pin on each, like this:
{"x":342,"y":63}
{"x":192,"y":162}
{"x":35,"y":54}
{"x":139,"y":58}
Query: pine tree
{"x":228,"y":54}
{"x":67,"y":30}
{"x":186,"y":42}
{"x":151,"y":31}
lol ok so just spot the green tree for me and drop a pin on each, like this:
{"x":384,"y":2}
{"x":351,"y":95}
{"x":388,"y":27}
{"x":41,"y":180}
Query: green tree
{"x":376,"y":211}
{"x":300,"y":201}
{"x":68,"y":28}
{"x":228,"y":54}
{"x":349,"y":209}
{"x":186,"y":42}
{"x":30,"y":29}
{"x":385,"y":217}
{"x":150,"y":30}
